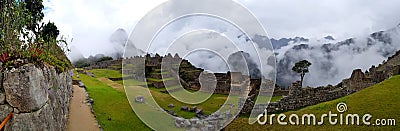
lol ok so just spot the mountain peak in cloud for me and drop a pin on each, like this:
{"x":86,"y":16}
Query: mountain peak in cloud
{"x":119,"y":36}
{"x":329,"y":37}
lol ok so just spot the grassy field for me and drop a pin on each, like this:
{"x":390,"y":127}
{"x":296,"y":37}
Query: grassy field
{"x":98,"y":73}
{"x":381,"y":101}
{"x":110,"y":103}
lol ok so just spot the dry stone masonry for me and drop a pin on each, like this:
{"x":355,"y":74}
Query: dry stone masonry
{"x":38,"y":98}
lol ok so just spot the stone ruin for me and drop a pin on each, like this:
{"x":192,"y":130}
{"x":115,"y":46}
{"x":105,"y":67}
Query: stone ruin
{"x":215,"y":121}
{"x":360,"y":80}
{"x":187,"y":75}
{"x":299,"y":97}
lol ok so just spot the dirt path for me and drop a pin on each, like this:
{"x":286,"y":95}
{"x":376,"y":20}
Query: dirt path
{"x":80,"y":117}
{"x":111,"y":83}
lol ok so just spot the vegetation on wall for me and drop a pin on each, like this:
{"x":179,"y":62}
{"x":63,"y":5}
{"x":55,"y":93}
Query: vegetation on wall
{"x":24,"y":38}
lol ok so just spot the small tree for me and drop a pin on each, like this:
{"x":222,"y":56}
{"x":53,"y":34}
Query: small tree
{"x":302,"y":68}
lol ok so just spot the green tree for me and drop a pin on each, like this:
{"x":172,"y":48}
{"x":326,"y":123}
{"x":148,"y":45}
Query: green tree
{"x":24,"y":36}
{"x":49,"y":31}
{"x":33,"y":11}
{"x":301,"y":67}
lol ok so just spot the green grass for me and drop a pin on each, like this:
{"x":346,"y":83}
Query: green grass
{"x":131,"y":82}
{"x":110,"y":103}
{"x":381,"y":101}
{"x":266,"y":98}
{"x":209,"y":106}
{"x":159,"y":80}
{"x":98,"y":73}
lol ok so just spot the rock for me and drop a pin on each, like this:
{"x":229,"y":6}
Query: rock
{"x":209,"y":127}
{"x":228,"y":114}
{"x":39,"y":98}
{"x":4,"y":110}
{"x":90,"y":74}
{"x":26,"y":88}
{"x":16,"y":110}
{"x":194,"y":122}
{"x":80,"y":84}
{"x":179,"y":122}
{"x":39,"y":120}
{"x":171,"y":112}
{"x":139,"y":99}
{"x":193,"y":109}
{"x":2,"y":97}
{"x":184,"y":108}
{"x":199,"y":111}
{"x":89,"y":100}
{"x":171,"y":105}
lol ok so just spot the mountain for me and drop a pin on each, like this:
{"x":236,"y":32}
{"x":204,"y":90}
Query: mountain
{"x":277,"y":44}
{"x":332,"y":61}
{"x":119,"y":39}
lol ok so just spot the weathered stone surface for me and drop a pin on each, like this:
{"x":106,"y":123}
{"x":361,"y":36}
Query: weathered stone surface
{"x":38,"y":97}
{"x":184,"y":108}
{"x":2,"y":97}
{"x":4,"y":110}
{"x":25,"y":88}
{"x":40,"y":120}
{"x":140,"y":99}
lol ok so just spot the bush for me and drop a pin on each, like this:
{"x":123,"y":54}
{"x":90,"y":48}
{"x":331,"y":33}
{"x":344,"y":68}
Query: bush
{"x":24,"y":37}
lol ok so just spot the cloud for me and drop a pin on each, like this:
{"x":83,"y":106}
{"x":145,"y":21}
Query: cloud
{"x":91,"y":22}
{"x":310,"y":18}
{"x":332,"y":61}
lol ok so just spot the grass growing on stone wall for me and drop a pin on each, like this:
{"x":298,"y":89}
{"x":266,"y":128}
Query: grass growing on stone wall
{"x":380,"y":100}
{"x":110,"y":103}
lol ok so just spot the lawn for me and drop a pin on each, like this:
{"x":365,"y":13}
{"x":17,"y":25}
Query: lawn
{"x":110,"y":103}
{"x":381,"y":101}
{"x":98,"y":73}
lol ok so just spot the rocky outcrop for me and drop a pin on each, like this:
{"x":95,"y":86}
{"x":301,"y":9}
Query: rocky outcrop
{"x":38,"y":98}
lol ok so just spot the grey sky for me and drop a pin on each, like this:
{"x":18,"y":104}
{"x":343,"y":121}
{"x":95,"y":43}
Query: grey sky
{"x":91,"y":22}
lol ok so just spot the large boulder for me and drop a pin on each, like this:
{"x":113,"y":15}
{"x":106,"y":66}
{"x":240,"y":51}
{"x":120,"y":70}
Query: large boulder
{"x":26,"y":88}
{"x":38,"y":97}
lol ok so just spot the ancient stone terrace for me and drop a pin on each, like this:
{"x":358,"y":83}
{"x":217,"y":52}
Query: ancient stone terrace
{"x":169,"y":68}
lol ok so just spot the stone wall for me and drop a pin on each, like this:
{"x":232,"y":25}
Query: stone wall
{"x":360,"y":80}
{"x":38,"y":98}
{"x":300,"y":97}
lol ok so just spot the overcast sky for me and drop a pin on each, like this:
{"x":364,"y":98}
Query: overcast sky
{"x":91,"y":22}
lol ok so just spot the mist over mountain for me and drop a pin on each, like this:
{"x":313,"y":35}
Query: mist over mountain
{"x":277,"y":44}
{"x":119,"y":40}
{"x":333,"y":60}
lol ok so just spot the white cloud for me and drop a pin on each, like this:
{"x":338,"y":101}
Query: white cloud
{"x":91,"y":22}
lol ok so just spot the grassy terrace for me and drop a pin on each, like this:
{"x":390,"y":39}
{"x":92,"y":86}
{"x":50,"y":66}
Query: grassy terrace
{"x":111,"y":102}
{"x":381,"y":101}
{"x":98,"y":73}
